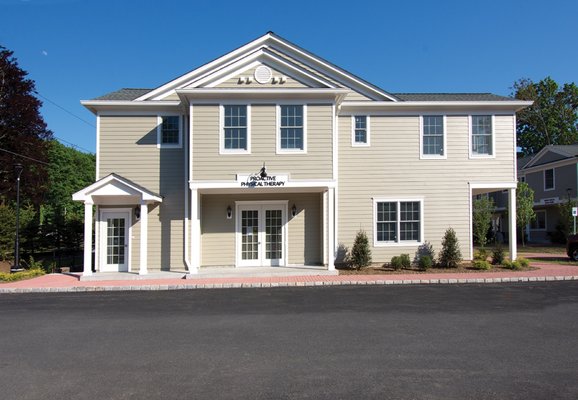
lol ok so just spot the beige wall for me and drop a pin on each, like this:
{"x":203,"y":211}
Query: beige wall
{"x":391,"y":167}
{"x":305,"y":233}
{"x":128,"y":147}
{"x":208,"y":164}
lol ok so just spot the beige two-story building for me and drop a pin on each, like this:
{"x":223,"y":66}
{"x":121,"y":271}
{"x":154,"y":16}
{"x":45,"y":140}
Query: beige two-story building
{"x":273,"y":156}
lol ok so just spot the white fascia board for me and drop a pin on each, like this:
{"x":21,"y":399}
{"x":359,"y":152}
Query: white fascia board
{"x":493,"y":185}
{"x":514,"y":105}
{"x":96,"y":106}
{"x":322,"y":183}
{"x":263,"y":93}
{"x":82,"y":194}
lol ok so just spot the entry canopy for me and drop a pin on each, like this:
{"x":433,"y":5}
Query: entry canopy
{"x":114,"y":189}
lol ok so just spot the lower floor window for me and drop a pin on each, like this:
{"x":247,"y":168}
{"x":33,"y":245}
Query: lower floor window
{"x":539,"y":223}
{"x":398,"y":221}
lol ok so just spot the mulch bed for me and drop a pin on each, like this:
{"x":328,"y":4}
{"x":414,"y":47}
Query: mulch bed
{"x":463,"y":268}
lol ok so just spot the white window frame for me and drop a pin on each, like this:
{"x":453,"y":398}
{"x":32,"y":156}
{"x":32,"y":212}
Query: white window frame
{"x":470,"y":126}
{"x":278,"y":124}
{"x":553,"y":179}
{"x":162,"y":145}
{"x":222,"y":149}
{"x":367,"y":132}
{"x":444,"y":145}
{"x":545,"y":221}
{"x":398,"y":243}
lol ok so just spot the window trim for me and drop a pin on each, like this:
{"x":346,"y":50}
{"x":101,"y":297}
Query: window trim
{"x":470,"y":126}
{"x":367,"y":131}
{"x":160,"y":144}
{"x":545,"y":221}
{"x":222,"y":150}
{"x":553,"y":179}
{"x":279,"y":150}
{"x":423,"y":156}
{"x":399,"y":200}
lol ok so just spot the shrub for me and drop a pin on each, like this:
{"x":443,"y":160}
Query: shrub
{"x":17,"y":276}
{"x":405,"y":261}
{"x":481,"y":255}
{"x":523,"y":262}
{"x":498,"y":255}
{"x":360,"y":256}
{"x":482,"y":265}
{"x":450,"y":255}
{"x":396,"y":263}
{"x":425,"y":263}
{"x":514,"y":265}
{"x":425,"y":249}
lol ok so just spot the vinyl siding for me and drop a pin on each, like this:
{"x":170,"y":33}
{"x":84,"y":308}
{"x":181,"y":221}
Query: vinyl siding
{"x":234,"y":82}
{"x":128,"y":147}
{"x":564,"y":177}
{"x":391,"y":168}
{"x":305,"y":234}
{"x":208,"y":164}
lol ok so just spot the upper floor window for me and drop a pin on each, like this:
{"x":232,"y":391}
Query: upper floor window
{"x":360,"y":131}
{"x":398,"y":222}
{"x":549,"y":183}
{"x":235,"y":129}
{"x":169,"y":131}
{"x":482,"y":135}
{"x":433,"y":136}
{"x":292,"y":128}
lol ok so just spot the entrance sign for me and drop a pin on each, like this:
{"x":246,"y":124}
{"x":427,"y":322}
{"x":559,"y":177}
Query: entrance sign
{"x":574,"y":211}
{"x":255,"y":180}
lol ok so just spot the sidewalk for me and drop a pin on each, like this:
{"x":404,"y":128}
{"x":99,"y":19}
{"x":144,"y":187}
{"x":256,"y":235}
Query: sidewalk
{"x":72,"y":283}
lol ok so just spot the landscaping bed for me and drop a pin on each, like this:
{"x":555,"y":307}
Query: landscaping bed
{"x":462,"y":268}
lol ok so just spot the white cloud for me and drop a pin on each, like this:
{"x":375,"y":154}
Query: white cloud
{"x":44,"y":52}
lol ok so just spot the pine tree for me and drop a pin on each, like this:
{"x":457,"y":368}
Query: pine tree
{"x":450,"y":255}
{"x":360,"y":256}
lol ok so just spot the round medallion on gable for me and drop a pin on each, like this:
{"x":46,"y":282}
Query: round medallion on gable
{"x":263,"y":74}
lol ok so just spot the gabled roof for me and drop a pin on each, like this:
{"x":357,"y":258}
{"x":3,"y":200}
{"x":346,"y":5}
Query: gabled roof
{"x":116,"y":185}
{"x":523,"y":161}
{"x":124,"y":94}
{"x":553,"y":153}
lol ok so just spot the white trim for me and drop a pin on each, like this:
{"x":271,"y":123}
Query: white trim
{"x":536,"y":219}
{"x":222,"y":150}
{"x":97,"y":147}
{"x":470,"y":134}
{"x":553,"y":179}
{"x":161,"y":145}
{"x":102,"y":232}
{"x":545,"y":150}
{"x":144,"y":226}
{"x":321,"y":183}
{"x":493,"y":185}
{"x":88,"y":220}
{"x":470,"y":223}
{"x":85,"y":194}
{"x":261,"y":205}
{"x":444,"y":156}
{"x":486,"y":105}
{"x":279,"y":150}
{"x":553,"y":164}
{"x":367,"y":131}
{"x":398,"y":200}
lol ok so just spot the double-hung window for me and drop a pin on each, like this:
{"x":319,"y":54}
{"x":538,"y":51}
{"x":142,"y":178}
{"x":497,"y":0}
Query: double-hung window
{"x":482,"y":135}
{"x":398,"y":221}
{"x":235,"y":129}
{"x":360,"y":131}
{"x":549,"y":183}
{"x":292,"y":129}
{"x":433,"y":136}
{"x":169,"y":131}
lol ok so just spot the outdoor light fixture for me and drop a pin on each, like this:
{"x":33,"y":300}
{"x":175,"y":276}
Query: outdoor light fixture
{"x":137,"y":213}
{"x":293,"y":210}
{"x":229,"y":212}
{"x":18,"y":170}
{"x":263,"y":171}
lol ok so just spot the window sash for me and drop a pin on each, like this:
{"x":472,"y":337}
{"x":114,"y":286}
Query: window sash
{"x":482,"y":135}
{"x":398,"y":216}
{"x":433,"y":135}
{"x":235,"y":127}
{"x":548,"y":179}
{"x":360,"y":134}
{"x":291,"y":129}
{"x":170,"y":131}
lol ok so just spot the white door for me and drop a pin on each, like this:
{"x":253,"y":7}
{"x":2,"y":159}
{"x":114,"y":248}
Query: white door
{"x":261,"y":235}
{"x":114,"y":239}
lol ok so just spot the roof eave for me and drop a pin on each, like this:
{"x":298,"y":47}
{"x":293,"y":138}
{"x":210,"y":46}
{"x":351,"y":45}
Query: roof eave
{"x":96,"y":106}
{"x":513,"y":105}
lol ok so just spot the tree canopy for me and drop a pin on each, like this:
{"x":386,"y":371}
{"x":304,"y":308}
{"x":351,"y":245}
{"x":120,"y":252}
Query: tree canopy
{"x":552,"y":119}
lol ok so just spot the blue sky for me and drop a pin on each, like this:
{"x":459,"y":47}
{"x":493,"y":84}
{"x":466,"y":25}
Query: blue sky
{"x":80,"y":49}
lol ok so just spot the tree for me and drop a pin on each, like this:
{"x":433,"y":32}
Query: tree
{"x":450,"y":255}
{"x":524,"y":206}
{"x":360,"y":256}
{"x":552,"y":119}
{"x":22,"y":131}
{"x":482,"y":219}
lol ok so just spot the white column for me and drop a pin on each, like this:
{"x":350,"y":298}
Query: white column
{"x":144,"y":222}
{"x":512,"y":223}
{"x":325,"y":229}
{"x":87,"y":238}
{"x":196,"y":232}
{"x":331,"y":226}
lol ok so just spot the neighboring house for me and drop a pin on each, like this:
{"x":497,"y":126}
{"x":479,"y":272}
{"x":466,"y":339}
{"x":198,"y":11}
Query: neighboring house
{"x":273,"y":156}
{"x":553,"y":176}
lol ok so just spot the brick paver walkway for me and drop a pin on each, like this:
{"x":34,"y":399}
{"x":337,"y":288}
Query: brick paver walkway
{"x":67,"y":283}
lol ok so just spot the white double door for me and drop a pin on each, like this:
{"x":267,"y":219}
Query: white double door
{"x":261,"y":235}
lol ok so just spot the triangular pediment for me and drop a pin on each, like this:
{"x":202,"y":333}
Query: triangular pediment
{"x":115,"y":186}
{"x":270,"y":61}
{"x":550,"y":154}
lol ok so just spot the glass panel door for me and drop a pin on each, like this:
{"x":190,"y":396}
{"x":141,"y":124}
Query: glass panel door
{"x":274,"y":235}
{"x":261,"y":235}
{"x":114,"y":241}
{"x":249,"y":234}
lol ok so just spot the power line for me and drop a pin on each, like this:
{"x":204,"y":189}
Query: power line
{"x":72,"y":144}
{"x":65,"y":110}
{"x":23,"y":156}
